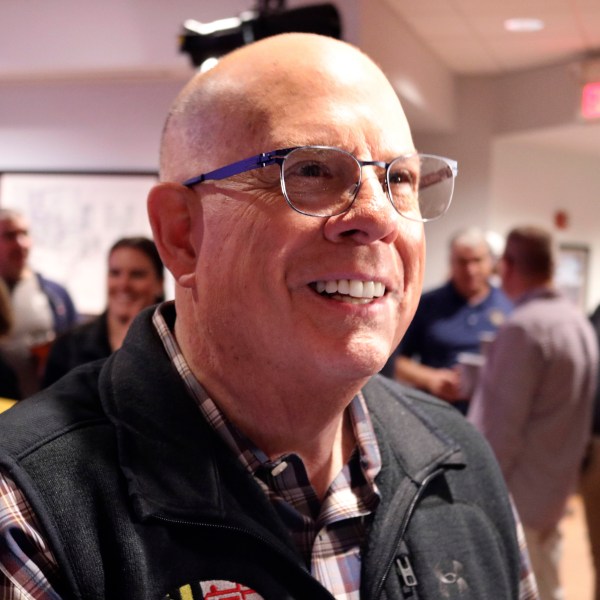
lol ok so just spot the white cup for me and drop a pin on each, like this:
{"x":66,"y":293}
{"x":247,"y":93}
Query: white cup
{"x":469,"y":367}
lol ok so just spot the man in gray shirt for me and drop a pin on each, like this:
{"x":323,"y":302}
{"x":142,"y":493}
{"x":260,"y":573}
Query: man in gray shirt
{"x":534,"y":399}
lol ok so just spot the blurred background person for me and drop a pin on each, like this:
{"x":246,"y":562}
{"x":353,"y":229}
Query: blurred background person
{"x":496,"y":244}
{"x":135,"y":280}
{"x":451,"y":320}
{"x":590,"y":476}
{"x":535,"y":395}
{"x":41,"y":308}
{"x":9,"y":384}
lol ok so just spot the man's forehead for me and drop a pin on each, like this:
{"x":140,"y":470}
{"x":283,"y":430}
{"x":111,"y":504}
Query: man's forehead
{"x":282,"y":99}
{"x":299,"y":70}
{"x":466,"y":251}
{"x":336,"y":117}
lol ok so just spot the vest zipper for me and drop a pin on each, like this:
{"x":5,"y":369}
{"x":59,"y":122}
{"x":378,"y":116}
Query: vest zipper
{"x":233,"y":528}
{"x":403,"y":563}
{"x":406,"y":571}
{"x":407,"y":575}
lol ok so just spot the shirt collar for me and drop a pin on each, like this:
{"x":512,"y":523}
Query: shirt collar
{"x":535,"y":293}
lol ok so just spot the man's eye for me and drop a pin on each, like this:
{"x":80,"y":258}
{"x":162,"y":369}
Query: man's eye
{"x":402,"y":176}
{"x":313,"y":169}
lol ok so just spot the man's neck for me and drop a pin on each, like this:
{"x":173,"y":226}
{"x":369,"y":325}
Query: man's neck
{"x":531,"y":288}
{"x":312,"y":428}
{"x":479,"y":296}
{"x":518,"y":285}
{"x":300,"y":412}
{"x":327,"y":465}
{"x":11,"y":282}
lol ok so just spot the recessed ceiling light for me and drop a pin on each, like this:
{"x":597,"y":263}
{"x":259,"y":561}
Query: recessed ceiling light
{"x":521,"y":25}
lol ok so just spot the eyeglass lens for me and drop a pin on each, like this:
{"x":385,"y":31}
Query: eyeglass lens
{"x":420,"y":186}
{"x":320,"y":181}
{"x":324,"y":182}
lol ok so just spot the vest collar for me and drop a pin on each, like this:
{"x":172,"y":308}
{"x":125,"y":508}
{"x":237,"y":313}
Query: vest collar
{"x":176,"y":465}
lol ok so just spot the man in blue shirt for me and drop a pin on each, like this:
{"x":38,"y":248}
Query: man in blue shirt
{"x":451,"y":320}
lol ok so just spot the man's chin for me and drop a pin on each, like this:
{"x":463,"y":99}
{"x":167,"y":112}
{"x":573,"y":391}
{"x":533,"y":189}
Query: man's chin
{"x":124,"y":315}
{"x":364,"y":361}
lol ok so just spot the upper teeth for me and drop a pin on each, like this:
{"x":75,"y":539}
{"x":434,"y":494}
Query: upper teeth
{"x":352,"y":287}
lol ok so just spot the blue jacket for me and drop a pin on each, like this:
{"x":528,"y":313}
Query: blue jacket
{"x":63,"y":309}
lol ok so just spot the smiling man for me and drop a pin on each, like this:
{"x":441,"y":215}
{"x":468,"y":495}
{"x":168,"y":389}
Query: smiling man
{"x":240,"y":443}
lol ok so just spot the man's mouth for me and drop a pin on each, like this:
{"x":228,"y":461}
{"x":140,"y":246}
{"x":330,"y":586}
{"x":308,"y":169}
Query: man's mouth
{"x":350,"y":290}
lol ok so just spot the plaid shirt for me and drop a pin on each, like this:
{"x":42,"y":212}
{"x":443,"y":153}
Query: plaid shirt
{"x":329,"y":533}
{"x":26,"y":569}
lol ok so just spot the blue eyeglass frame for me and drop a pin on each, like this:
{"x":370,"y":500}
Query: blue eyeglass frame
{"x":265,"y":159}
{"x":259,"y":161}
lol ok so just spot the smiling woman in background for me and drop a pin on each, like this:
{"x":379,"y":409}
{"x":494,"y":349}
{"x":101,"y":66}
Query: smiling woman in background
{"x":135,"y":280}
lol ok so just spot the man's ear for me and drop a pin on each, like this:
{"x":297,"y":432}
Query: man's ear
{"x":171,"y":222}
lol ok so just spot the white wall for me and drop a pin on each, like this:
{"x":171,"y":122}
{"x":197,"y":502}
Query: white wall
{"x":425,"y":86}
{"x":469,"y":144}
{"x":111,"y":125}
{"x":531,"y":182}
{"x":70,"y":101}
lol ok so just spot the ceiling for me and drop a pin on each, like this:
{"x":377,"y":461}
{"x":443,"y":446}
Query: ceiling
{"x":37,"y":39}
{"x":469,"y":35}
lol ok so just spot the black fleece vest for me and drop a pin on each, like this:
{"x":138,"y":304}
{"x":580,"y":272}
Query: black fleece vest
{"x":140,"y":500}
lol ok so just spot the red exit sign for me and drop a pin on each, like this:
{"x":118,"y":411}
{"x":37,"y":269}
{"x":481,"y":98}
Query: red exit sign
{"x":590,"y":100}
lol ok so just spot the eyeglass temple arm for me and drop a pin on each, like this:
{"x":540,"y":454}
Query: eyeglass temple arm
{"x":248,"y":164}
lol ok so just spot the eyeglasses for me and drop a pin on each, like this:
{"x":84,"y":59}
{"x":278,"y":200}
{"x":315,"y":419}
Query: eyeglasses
{"x":322,"y":181}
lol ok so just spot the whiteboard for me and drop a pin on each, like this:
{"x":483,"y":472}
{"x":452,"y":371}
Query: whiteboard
{"x":74,"y":220}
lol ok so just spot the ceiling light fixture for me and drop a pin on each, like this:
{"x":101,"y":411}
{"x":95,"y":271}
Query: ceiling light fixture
{"x":523,"y":25}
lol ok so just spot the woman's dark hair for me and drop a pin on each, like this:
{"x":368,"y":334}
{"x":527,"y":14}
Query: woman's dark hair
{"x":147,"y":247}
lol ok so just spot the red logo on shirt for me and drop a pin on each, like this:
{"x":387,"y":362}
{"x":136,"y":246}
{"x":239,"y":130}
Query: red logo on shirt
{"x":216,"y":589}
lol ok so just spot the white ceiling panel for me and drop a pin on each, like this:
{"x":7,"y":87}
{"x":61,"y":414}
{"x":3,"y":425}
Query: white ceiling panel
{"x":572,"y":27}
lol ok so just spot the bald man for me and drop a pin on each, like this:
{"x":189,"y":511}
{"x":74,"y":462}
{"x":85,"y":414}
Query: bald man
{"x":239,"y":444}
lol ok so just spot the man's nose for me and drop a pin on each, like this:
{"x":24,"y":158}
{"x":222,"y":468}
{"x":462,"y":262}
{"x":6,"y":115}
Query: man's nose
{"x":371,"y":217}
{"x":23,"y":239}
